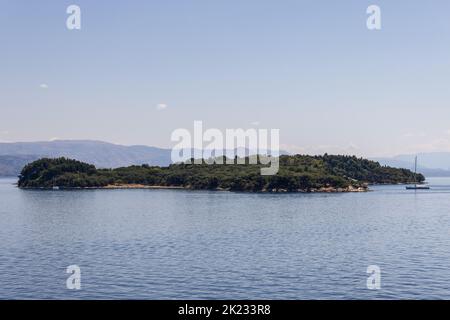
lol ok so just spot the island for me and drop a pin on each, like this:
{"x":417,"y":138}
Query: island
{"x":297,"y":173}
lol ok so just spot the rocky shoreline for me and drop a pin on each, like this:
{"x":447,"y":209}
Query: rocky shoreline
{"x":328,"y":189}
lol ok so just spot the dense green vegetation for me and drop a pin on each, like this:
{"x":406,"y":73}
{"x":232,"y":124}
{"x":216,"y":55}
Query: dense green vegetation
{"x":297,"y":173}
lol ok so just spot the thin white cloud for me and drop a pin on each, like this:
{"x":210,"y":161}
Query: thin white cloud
{"x":255,"y":123}
{"x":161,"y":106}
{"x":43,"y":86}
{"x":414,"y":135}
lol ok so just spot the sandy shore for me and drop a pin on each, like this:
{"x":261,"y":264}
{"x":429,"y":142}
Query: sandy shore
{"x":143,"y":186}
{"x":319,"y":190}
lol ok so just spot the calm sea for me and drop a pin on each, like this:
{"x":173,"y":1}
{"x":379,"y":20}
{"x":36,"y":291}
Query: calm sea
{"x":174,"y":244}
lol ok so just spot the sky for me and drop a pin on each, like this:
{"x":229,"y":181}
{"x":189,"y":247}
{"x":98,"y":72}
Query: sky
{"x":138,"y":70}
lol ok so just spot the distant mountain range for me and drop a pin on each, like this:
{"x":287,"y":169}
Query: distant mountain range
{"x":13,"y":156}
{"x":10,"y":165}
{"x":435,"y":164}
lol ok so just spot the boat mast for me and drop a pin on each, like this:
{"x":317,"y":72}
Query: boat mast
{"x":415,"y":172}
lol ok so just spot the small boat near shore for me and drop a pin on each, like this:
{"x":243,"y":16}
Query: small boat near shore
{"x":417,"y":186}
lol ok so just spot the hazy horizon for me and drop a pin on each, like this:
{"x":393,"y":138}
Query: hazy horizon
{"x":136,"y":71}
{"x":239,"y":148}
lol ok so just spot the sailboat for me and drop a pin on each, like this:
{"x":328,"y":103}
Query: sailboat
{"x":417,"y":186}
